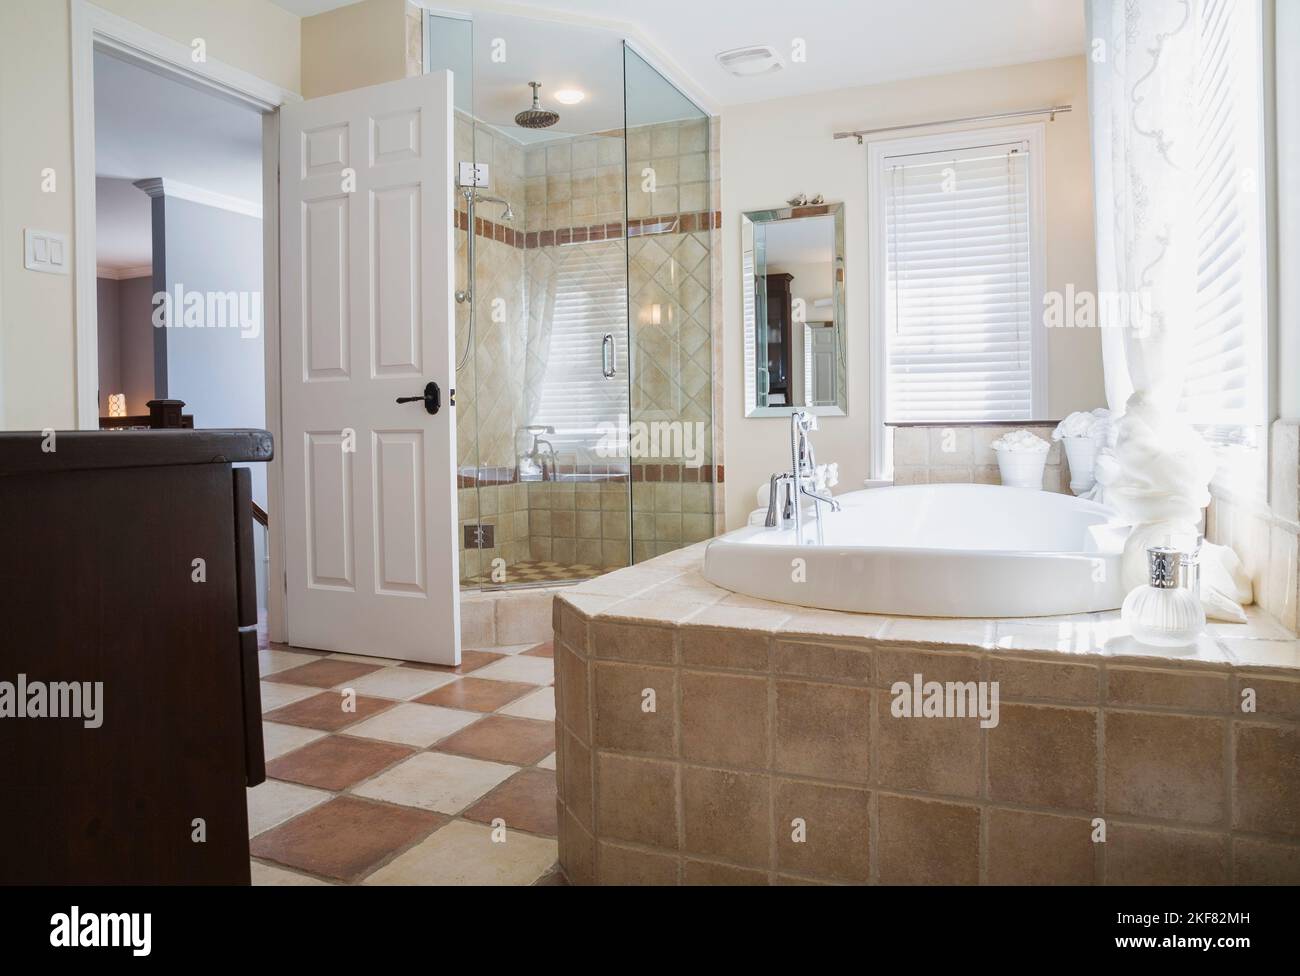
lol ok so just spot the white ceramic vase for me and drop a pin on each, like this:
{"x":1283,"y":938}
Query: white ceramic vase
{"x":1082,"y":455}
{"x":1022,"y":469}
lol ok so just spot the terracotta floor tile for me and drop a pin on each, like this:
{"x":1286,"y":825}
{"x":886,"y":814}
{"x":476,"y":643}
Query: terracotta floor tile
{"x":336,"y":762}
{"x":500,"y":738}
{"x":476,"y":694}
{"x":526,"y":801}
{"x":325,"y":711}
{"x":542,"y":650}
{"x":345,"y":837}
{"x":325,"y":673}
{"x":469,"y":661}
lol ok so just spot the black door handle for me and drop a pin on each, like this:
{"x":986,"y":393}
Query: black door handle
{"x":432,"y":397}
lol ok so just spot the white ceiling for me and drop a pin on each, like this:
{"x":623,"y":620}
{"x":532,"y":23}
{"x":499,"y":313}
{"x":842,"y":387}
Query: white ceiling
{"x":848,"y":42}
{"x":123,"y":225}
{"x":807,"y":240}
{"x":147,"y":125}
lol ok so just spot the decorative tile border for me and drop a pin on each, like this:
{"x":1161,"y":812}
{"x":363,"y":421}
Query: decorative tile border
{"x":488,"y":475}
{"x":685,"y":223}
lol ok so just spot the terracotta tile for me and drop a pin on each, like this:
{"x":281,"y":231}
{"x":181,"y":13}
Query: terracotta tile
{"x":822,"y":730}
{"x":336,"y":762}
{"x":476,"y":694}
{"x":727,"y":815}
{"x":636,"y":799}
{"x":832,"y":838}
{"x":325,"y":673}
{"x":501,"y":738}
{"x":1039,"y":849}
{"x":469,"y":661}
{"x":622,"y":718}
{"x":266,"y":875}
{"x":542,"y":650}
{"x":618,"y":865}
{"x":724,"y":719}
{"x":1267,"y":787}
{"x":526,"y":801}
{"x":1044,"y":755}
{"x":927,"y":842}
{"x":325,"y":711}
{"x":1156,"y":856}
{"x":713,"y":874}
{"x":469,"y":854}
{"x":934,"y":755}
{"x":343,"y":838}
{"x":1170,"y":767}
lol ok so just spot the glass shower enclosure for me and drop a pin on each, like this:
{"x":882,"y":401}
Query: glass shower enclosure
{"x":583,"y":306}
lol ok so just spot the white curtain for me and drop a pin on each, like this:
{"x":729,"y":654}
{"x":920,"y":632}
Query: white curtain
{"x":1142,"y":101}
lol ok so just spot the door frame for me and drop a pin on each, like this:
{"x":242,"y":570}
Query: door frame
{"x":93,"y":28}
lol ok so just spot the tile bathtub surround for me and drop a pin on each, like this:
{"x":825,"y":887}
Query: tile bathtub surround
{"x":409,"y":788}
{"x":769,"y":752}
{"x":939,"y":454}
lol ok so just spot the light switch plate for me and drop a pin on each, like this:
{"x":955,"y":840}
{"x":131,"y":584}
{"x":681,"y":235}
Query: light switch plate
{"x":45,"y":251}
{"x":473,"y":174}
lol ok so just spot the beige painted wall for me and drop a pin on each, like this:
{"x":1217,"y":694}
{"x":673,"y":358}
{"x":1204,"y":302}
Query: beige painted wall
{"x":37,"y":347}
{"x":354,"y":46}
{"x":773,"y":149}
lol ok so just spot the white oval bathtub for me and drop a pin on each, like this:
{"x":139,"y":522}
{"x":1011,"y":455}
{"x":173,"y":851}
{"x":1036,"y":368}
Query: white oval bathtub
{"x":934,"y":551}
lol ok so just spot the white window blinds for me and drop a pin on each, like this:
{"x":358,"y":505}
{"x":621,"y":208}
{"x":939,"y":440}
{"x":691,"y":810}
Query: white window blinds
{"x":1224,"y":382}
{"x":959,"y":280}
{"x":590,"y":301}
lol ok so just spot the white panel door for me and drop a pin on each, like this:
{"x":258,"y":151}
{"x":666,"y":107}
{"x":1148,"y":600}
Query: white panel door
{"x":366,"y":272}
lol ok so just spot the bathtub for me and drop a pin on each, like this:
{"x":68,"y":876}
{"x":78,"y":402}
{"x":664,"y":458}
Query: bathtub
{"x":934,"y":551}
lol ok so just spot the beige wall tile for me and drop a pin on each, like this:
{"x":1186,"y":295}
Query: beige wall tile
{"x":1037,"y":848}
{"x":1262,"y":862}
{"x":713,"y":647}
{"x":901,"y":664}
{"x":826,"y":661}
{"x":1189,"y":690}
{"x":524,"y":617}
{"x":1266,"y":793}
{"x":1023,"y":678}
{"x":652,"y":645}
{"x":1273,"y":697}
{"x":577,"y":851}
{"x":933,"y":755}
{"x":618,"y":865}
{"x":1171,"y":767}
{"x":636,"y":800}
{"x":621,"y":718}
{"x":1044,"y":755}
{"x":822,"y":730}
{"x":927,"y":842}
{"x":727,"y":815}
{"x":1155,"y":855}
{"x":835,"y":830}
{"x":573,"y":691}
{"x":711,"y":873}
{"x":578,"y":787}
{"x":724,"y":719}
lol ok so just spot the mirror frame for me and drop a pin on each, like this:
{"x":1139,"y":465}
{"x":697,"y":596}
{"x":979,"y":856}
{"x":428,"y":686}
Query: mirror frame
{"x":748,"y":220}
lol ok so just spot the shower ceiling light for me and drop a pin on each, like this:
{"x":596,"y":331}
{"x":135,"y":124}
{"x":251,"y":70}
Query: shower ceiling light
{"x":569,"y":96}
{"x":757,"y":59}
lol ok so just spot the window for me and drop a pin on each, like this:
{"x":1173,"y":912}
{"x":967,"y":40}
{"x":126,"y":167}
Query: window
{"x":590,"y":301}
{"x":1225,"y":386}
{"x":957,"y":276}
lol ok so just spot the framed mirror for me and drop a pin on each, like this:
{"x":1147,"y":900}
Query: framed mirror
{"x":792,"y":271}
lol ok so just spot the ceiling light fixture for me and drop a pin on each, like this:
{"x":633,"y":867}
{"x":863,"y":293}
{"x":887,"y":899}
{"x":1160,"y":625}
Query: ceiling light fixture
{"x":569,"y":96}
{"x":757,"y":59}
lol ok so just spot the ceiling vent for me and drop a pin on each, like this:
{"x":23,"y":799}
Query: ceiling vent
{"x":746,"y":61}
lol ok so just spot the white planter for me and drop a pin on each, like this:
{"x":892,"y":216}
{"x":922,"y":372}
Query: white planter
{"x":1022,"y":469}
{"x":1082,"y":455}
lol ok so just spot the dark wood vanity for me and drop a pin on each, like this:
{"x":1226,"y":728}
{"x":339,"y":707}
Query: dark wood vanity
{"x":128,"y":561}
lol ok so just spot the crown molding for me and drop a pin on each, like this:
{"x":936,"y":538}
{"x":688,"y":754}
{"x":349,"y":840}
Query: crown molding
{"x":162,"y":187}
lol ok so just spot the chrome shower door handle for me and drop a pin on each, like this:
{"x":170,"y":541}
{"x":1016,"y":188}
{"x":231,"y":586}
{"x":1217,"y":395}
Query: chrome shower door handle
{"x":607,"y":355}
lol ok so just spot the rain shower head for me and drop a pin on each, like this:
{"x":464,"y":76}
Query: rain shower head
{"x":536,"y":117}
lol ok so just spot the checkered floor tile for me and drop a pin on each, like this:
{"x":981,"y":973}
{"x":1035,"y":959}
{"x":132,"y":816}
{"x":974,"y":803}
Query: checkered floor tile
{"x":411,"y":787}
{"x":537,"y":571}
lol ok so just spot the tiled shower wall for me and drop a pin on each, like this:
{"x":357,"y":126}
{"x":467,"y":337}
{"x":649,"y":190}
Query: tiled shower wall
{"x":564,"y":192}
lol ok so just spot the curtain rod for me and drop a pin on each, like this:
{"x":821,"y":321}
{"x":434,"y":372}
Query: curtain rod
{"x":1052,"y":111}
